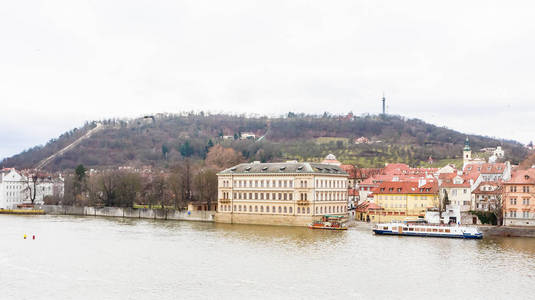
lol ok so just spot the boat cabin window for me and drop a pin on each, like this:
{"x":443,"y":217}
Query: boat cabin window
{"x":447,"y":230}
{"x":435,"y":230}
{"x":385,"y":228}
{"x":441,"y":230}
{"x":411,"y":229}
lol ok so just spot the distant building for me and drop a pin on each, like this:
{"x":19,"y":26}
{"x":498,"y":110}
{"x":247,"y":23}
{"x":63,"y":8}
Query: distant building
{"x":405,"y":200}
{"x":247,"y":136}
{"x":487,"y":196}
{"x":12,"y":188}
{"x":15,"y":187}
{"x":227,"y":137}
{"x":331,"y":160}
{"x":519,"y":199}
{"x":361,"y":140}
{"x":290,"y":193}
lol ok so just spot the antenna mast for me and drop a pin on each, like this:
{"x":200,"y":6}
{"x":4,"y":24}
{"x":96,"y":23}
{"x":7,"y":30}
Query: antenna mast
{"x":384,"y":104}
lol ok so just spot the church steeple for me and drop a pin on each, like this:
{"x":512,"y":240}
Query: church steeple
{"x":467,"y":145}
{"x":467,"y":153}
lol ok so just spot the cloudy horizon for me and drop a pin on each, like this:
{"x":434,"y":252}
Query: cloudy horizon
{"x":463,"y":65}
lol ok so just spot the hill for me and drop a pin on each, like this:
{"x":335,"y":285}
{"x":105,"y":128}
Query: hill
{"x":165,"y":139}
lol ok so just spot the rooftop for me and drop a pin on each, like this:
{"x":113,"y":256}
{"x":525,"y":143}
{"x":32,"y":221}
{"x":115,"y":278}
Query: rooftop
{"x":284,"y":168}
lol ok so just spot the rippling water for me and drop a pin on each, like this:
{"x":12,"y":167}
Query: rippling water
{"x":105,"y":258}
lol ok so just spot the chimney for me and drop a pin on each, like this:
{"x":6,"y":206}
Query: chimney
{"x":421,"y":182}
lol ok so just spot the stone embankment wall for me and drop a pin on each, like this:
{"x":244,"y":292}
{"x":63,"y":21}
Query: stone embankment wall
{"x":507,"y":231}
{"x":142,"y":213}
{"x":260,"y":219}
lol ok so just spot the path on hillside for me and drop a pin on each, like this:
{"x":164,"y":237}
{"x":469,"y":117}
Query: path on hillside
{"x":45,"y":161}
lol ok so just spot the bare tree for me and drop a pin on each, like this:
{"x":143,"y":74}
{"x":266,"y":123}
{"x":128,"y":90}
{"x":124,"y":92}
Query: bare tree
{"x":33,"y":181}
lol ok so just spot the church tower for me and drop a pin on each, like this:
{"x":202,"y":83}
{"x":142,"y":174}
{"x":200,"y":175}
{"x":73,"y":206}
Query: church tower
{"x":467,"y":153}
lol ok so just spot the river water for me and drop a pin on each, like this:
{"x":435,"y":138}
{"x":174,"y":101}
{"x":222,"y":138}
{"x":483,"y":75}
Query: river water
{"x":109,"y":258}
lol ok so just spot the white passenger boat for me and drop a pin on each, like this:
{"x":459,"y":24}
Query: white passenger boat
{"x":430,"y":230}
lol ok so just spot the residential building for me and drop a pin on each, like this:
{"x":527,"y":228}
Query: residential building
{"x":519,"y":199}
{"x":17,"y":188}
{"x":292,"y":193}
{"x":403,"y":200}
{"x":247,"y":136}
{"x":487,"y":196}
{"x":12,"y":188}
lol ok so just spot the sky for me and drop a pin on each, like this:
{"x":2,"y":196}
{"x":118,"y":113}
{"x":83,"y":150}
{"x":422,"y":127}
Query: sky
{"x":466,"y":65}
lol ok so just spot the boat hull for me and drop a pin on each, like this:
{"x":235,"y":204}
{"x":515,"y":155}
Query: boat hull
{"x":327,"y":228}
{"x":429,"y":234}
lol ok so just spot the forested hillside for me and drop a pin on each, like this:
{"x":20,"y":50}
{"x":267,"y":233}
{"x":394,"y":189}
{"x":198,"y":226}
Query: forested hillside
{"x":165,"y":139}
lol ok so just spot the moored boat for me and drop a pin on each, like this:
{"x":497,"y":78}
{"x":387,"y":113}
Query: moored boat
{"x":427,"y":230}
{"x":329,"y":223}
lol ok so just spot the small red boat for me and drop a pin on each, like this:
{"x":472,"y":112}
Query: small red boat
{"x":329,"y":223}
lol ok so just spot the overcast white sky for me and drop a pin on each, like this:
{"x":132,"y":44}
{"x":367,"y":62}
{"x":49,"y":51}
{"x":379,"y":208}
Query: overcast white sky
{"x":467,"y":65}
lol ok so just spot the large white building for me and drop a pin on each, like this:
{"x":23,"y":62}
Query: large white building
{"x":17,"y":188}
{"x":291,"y":193}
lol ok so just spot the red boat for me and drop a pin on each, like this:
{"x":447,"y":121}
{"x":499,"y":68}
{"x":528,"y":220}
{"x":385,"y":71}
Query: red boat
{"x":329,"y":223}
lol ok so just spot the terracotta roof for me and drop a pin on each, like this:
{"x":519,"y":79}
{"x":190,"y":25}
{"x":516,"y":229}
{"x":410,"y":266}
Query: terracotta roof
{"x":522,"y":177}
{"x":486,"y":168}
{"x":406,"y":187}
{"x":367,"y":206}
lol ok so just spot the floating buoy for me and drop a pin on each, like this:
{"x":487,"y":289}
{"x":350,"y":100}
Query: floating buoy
{"x":33,"y":236}
{"x":24,"y":236}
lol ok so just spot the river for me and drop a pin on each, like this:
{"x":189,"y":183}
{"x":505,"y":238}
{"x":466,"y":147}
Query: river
{"x":114,"y":258}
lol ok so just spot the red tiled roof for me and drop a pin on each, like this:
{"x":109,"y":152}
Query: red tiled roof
{"x":522,"y":177}
{"x":485,"y":168}
{"x":406,"y":187}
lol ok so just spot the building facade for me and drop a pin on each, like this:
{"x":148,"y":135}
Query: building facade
{"x":519,"y":199}
{"x":405,"y":200}
{"x":290,"y":193}
{"x":18,"y":188}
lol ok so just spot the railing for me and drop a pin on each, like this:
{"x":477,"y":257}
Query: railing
{"x":303,"y":202}
{"x":224,"y":200}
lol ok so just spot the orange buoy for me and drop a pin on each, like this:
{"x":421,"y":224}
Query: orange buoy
{"x":33,"y":236}
{"x":24,"y":236}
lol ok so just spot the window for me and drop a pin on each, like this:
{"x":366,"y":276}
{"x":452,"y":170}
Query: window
{"x":298,"y":210}
{"x":267,"y":208}
{"x":308,"y":210}
{"x":255,"y":208}
{"x":280,"y":209}
{"x":525,"y":201}
{"x":285,"y":211}
{"x":513,"y":201}
{"x":291,"y":210}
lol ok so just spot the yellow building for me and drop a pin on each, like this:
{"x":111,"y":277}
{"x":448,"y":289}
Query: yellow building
{"x":405,"y":200}
{"x":290,"y":193}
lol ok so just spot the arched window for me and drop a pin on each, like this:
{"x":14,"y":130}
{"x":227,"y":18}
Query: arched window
{"x":262,"y":207}
{"x":285,"y":211}
{"x":299,"y":210}
{"x":267,"y":208}
{"x":308,"y":210}
{"x":250,"y":208}
{"x":280,"y":209}
{"x":239,"y":207}
{"x":255,"y":208}
{"x":291,"y":210}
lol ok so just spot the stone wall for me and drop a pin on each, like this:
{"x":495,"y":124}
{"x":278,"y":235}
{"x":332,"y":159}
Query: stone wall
{"x":120,"y":212}
{"x":507,"y":231}
{"x":260,"y":219}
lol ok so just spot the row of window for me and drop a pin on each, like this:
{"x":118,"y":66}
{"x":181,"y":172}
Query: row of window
{"x":320,"y":196}
{"x":525,"y":201}
{"x":382,"y":197}
{"x":282,"y":209}
{"x":401,"y":205}
{"x":513,"y":189}
{"x":523,"y":214}
{"x":323,"y":183}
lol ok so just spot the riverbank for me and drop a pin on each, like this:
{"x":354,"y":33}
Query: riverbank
{"x":22,"y":211}
{"x":127,"y":212}
{"x":507,"y":231}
